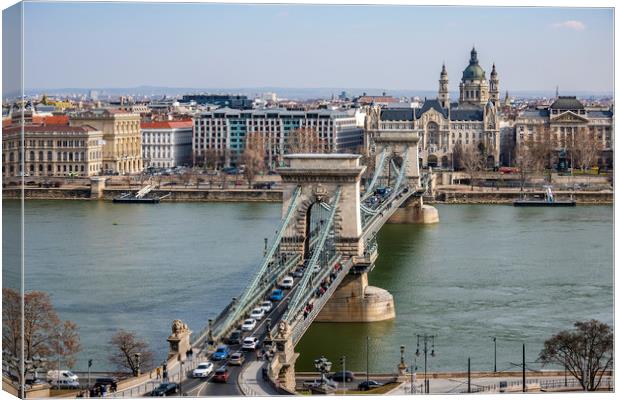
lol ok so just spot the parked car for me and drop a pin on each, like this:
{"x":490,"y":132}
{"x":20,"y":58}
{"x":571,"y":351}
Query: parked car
{"x":287,"y":282}
{"x":342,"y":376}
{"x":221,"y":375}
{"x":248,"y":324}
{"x":203,"y":370}
{"x":236,"y":358}
{"x":258,"y":313}
{"x":107,"y":381}
{"x":166,"y":389}
{"x":276,"y":295}
{"x":266,"y":306}
{"x":221,"y":353}
{"x":235,"y":337}
{"x":249,"y":343}
{"x":368,"y":385}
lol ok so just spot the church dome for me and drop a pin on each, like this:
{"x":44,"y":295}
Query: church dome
{"x":473,"y":70}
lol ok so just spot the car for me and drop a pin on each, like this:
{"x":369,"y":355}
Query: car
{"x":235,"y":337}
{"x":166,"y":389}
{"x":236,"y":358}
{"x":203,"y":370}
{"x":221,"y":375}
{"x":107,"y":381}
{"x":221,"y":353}
{"x":298,"y":273}
{"x":248,"y":324}
{"x":266,"y":306}
{"x":367,"y":385}
{"x":258,"y":313}
{"x":249,"y":343}
{"x":342,"y":376}
{"x":287,"y":282}
{"x":276,"y":295}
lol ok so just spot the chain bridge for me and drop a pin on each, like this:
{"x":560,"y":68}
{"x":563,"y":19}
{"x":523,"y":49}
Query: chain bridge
{"x":327,"y":240}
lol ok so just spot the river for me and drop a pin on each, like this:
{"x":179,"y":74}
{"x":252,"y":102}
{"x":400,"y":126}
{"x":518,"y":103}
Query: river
{"x":517,"y":274}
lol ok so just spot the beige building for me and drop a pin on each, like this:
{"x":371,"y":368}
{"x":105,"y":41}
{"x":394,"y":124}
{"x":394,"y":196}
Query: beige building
{"x":472,"y":122}
{"x":567,"y":117}
{"x":122,"y":151}
{"x":52,"y":150}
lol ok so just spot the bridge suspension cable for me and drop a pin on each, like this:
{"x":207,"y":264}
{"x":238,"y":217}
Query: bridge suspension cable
{"x":257,"y":283}
{"x":318,"y":251}
{"x":378,"y":171}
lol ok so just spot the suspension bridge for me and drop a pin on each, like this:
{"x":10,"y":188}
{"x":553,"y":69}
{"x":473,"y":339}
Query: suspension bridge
{"x":327,"y":236}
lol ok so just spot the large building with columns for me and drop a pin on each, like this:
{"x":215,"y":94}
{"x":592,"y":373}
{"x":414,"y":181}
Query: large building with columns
{"x":565,"y":118}
{"x":51,"y":150}
{"x":122,"y":150}
{"x":471,"y":122}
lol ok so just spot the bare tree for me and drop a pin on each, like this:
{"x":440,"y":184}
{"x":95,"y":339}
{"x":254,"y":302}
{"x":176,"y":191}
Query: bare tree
{"x":45,"y":334}
{"x":457,"y":156}
{"x":124,"y":346}
{"x":253,"y":156}
{"x":586,"y":352}
{"x":305,"y":140}
{"x":585,"y":148}
{"x":473,"y":164}
{"x":542,"y":147}
{"x":210,"y":159}
{"x":186,"y":178}
{"x":525,"y":164}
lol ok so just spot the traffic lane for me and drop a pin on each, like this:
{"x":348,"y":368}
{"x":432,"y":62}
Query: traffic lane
{"x":231,"y":387}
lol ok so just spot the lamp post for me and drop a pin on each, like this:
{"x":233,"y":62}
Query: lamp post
{"x":137,"y":364}
{"x":494,"y":353}
{"x":343,"y":361}
{"x":323,"y":366}
{"x":426,"y":339}
{"x":367,"y":356}
{"x":181,"y":378}
{"x":90,"y":364}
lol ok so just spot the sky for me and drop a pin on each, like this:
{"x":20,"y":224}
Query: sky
{"x":94,"y":45}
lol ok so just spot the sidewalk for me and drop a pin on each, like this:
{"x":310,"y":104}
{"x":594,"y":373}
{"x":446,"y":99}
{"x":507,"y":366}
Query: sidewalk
{"x":251,"y":381}
{"x":174,"y":375}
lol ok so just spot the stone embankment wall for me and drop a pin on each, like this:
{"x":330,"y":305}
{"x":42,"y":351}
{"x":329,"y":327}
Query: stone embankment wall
{"x":215,"y":195}
{"x":206,"y":195}
{"x":47,"y":193}
{"x":507,"y":197}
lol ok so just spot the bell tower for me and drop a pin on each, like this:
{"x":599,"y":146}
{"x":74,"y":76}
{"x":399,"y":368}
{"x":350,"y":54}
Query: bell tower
{"x":444,"y":95}
{"x":494,"y":87}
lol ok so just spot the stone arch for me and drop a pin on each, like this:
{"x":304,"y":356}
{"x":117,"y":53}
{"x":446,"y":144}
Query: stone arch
{"x":432,"y":160}
{"x":445,"y":161}
{"x":432,"y":129}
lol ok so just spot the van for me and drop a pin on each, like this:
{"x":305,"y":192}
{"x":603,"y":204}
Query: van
{"x":63,"y":375}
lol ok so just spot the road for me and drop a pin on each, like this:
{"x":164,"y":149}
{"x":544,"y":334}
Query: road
{"x":206,"y":387}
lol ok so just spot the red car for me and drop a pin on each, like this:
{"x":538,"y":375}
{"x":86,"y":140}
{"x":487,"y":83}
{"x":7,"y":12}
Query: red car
{"x":221,"y":375}
{"x":508,"y":170}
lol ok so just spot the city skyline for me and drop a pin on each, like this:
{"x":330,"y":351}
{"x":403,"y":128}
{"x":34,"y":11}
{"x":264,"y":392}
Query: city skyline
{"x":172,"y":45}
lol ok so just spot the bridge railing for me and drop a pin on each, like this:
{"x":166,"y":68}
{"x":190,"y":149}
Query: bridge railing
{"x":378,"y":171}
{"x":319,"y":251}
{"x":274,"y":265}
{"x":301,"y":323}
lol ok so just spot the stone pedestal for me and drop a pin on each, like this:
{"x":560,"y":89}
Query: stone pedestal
{"x":179,"y":340}
{"x":282,"y":366}
{"x":97,"y":185}
{"x":415,"y":213}
{"x":355,"y":301}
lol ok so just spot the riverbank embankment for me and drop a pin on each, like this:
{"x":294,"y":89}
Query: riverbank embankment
{"x":508,"y":196}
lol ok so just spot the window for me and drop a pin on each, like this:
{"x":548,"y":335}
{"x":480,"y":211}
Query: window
{"x":32,"y":156}
{"x":49,"y":156}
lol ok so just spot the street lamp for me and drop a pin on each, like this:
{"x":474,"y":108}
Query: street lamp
{"x":426,"y":339}
{"x":494,"y":353}
{"x":323,"y":365}
{"x":137,"y":364}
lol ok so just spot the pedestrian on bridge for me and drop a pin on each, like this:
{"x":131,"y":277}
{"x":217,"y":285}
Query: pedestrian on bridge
{"x":158,"y":373}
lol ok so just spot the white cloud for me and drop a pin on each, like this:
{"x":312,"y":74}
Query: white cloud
{"x":570,"y":24}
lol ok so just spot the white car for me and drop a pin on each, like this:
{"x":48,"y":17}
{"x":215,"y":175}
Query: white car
{"x":287,"y":283}
{"x":258,"y":313}
{"x":266,"y":306}
{"x":248,"y":324}
{"x":203,"y":370}
{"x":249,"y":343}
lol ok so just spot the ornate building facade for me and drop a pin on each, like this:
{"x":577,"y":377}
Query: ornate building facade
{"x":565,"y":118}
{"x":472,"y":122}
{"x":122,"y":151}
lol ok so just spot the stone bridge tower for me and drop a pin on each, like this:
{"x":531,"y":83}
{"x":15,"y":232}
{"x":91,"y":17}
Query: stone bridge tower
{"x":319,"y":175}
{"x":397,"y":144}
